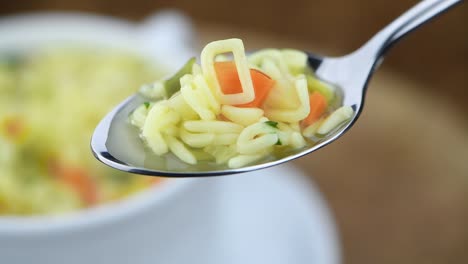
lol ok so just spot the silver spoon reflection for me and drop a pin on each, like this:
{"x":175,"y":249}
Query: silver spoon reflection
{"x":118,"y":145}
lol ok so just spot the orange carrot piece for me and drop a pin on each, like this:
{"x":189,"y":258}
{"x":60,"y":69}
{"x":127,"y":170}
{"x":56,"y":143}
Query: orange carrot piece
{"x":80,"y":181}
{"x":228,"y":79}
{"x":318,"y":105}
{"x":13,"y":128}
{"x":262,"y":86}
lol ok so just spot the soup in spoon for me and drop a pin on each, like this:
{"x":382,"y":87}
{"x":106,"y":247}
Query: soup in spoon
{"x":237,"y":110}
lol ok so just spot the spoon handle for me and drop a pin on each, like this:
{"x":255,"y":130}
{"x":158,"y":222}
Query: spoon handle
{"x":407,"y":22}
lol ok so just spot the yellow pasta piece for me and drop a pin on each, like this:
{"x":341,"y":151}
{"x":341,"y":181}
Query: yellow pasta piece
{"x":157,"y":143}
{"x":284,"y":137}
{"x":171,"y":130}
{"x":209,"y":97}
{"x":295,"y":126}
{"x":221,"y":153}
{"x":196,"y":101}
{"x":138,"y":116}
{"x":222,"y":57}
{"x":196,"y":69}
{"x":312,"y":129}
{"x":296,"y":61}
{"x":297,"y":140}
{"x":235,"y":46}
{"x":225,"y":139}
{"x":335,"y":119}
{"x":201,"y":155}
{"x":256,"y":138}
{"x":154,"y":91}
{"x":269,"y":67}
{"x":242,"y":115}
{"x":297,"y":114}
{"x":284,"y":127}
{"x":199,"y":96}
{"x":179,"y":105}
{"x":243,"y":160}
{"x":196,"y":140}
{"x":258,"y":144}
{"x":282,"y":95}
{"x":186,"y":79}
{"x":215,"y":126}
{"x":258,"y":57}
{"x":159,"y":117}
{"x":274,"y":59}
{"x":179,"y":149}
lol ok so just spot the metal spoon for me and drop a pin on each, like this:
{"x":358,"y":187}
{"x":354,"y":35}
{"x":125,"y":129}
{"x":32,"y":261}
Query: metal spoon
{"x":116,"y":144}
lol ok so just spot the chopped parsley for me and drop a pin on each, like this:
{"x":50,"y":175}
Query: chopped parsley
{"x":272,"y":123}
{"x":147,"y":104}
{"x":279,"y":142}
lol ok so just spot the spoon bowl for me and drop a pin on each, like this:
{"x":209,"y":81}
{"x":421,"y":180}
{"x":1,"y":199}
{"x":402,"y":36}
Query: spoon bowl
{"x":117,"y":144}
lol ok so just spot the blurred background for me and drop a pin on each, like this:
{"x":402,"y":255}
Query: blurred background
{"x":397,"y":183}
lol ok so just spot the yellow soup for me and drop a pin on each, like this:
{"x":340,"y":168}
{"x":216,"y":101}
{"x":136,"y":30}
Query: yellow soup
{"x":50,"y":103}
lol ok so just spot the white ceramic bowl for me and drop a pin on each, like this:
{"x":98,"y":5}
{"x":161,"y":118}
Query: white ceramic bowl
{"x":180,"y":221}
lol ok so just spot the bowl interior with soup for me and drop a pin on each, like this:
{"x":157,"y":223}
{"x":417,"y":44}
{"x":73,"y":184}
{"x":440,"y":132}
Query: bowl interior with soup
{"x":50,"y":102}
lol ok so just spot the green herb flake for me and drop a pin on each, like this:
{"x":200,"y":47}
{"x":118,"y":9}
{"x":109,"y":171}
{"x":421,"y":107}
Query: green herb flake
{"x":147,"y":104}
{"x":272,"y":124}
{"x":279,"y":142}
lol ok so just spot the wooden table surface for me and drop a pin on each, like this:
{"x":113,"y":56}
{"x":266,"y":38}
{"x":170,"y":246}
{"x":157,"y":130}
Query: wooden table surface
{"x":397,"y":182}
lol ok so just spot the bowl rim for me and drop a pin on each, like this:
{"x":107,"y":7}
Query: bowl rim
{"x":103,"y":214}
{"x":20,"y":26}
